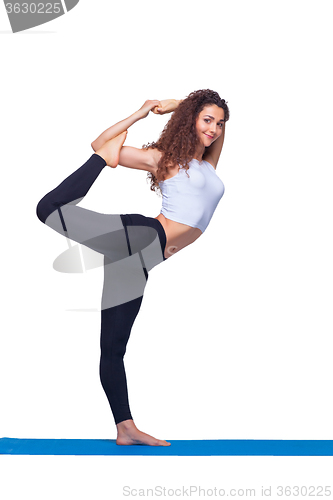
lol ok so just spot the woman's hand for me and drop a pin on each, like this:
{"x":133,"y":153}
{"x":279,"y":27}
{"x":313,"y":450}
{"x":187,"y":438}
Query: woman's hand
{"x":166,"y":106}
{"x":148,"y":106}
{"x":120,"y":127}
{"x":156,"y":106}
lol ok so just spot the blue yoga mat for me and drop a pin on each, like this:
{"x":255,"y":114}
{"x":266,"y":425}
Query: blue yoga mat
{"x":218,"y":447}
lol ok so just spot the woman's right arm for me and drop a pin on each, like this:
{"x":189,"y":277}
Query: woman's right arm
{"x":120,"y":127}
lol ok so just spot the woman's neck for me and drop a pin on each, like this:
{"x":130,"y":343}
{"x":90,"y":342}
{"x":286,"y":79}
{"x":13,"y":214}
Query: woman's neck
{"x":199,"y":152}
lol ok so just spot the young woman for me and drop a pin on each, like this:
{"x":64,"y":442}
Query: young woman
{"x":182,"y":165}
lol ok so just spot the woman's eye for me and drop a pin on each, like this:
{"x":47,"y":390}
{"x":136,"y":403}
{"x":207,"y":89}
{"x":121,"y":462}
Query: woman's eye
{"x":207,"y":120}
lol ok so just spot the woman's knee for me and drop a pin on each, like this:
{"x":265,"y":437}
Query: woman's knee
{"x":44,"y":209}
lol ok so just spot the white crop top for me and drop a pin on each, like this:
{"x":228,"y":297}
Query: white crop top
{"x":192,"y":200}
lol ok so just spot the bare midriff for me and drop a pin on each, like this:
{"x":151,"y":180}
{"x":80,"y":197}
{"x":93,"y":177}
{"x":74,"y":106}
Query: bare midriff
{"x":178,"y":235}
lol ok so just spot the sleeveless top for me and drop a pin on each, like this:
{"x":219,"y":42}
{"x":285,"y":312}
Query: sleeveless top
{"x":192,"y":200}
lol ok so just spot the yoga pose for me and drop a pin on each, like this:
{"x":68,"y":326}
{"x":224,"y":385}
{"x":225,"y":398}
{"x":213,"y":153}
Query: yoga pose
{"x":182,"y":165}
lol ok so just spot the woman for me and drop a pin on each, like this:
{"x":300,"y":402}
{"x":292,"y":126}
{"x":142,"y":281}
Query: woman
{"x":182,"y":164}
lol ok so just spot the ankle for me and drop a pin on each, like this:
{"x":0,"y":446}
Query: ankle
{"x":100,"y":155}
{"x":125,"y":425}
{"x":101,"y":152}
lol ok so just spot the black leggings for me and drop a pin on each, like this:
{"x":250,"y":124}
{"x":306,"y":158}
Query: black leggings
{"x":130,"y":246}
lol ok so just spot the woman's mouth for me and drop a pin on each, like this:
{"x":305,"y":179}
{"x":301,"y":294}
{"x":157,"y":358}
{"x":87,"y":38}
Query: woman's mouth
{"x":210,"y":137}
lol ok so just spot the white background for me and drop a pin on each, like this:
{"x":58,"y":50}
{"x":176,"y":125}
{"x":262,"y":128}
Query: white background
{"x":233,"y":340}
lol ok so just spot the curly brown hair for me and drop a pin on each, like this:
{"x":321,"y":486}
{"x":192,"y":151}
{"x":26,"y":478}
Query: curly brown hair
{"x":178,"y":141}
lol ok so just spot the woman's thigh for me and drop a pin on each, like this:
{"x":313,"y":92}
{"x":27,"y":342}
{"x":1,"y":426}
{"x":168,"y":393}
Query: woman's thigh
{"x":125,"y":279}
{"x":112,"y":235}
{"x":127,"y":245}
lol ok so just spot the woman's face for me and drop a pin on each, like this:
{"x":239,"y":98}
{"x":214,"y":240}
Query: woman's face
{"x":209,"y":124}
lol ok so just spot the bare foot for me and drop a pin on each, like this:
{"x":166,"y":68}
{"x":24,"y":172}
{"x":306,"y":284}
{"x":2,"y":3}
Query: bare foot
{"x":111,"y":149}
{"x":129,"y":434}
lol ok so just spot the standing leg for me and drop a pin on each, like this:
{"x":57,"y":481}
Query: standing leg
{"x":116,"y":327}
{"x":117,"y":321}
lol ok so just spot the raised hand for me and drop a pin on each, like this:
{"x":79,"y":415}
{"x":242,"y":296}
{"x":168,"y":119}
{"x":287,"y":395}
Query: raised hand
{"x":156,"y":106}
{"x":166,"y":106}
{"x":148,"y":106}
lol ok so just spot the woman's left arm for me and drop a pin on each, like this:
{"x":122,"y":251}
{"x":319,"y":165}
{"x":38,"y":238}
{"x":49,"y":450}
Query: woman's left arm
{"x":120,"y":127}
{"x":166,"y":106}
{"x":213,"y":152}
